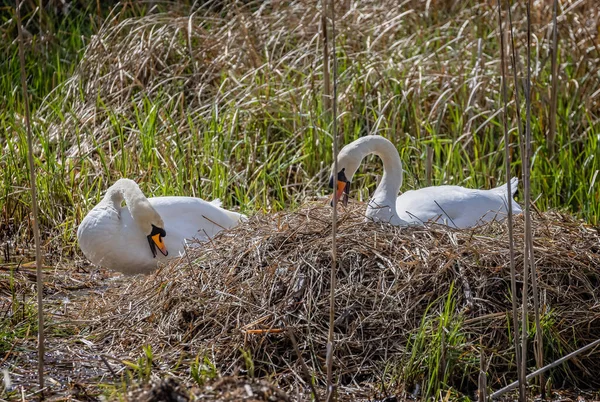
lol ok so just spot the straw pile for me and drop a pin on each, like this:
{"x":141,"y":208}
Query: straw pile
{"x":252,"y":288}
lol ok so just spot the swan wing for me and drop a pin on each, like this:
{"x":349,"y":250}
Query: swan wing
{"x":192,"y":218}
{"x":452,"y":205}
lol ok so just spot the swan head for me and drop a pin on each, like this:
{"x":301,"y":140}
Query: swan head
{"x":348,"y":161}
{"x":155,"y":240}
{"x":150,"y":222}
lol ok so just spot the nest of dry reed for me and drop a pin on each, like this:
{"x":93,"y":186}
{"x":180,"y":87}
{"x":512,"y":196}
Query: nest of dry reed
{"x":247,"y":293}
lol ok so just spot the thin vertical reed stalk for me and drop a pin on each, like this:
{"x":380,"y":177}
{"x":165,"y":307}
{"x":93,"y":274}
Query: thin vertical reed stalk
{"x":524,"y":317}
{"x":554,"y":94}
{"x":539,"y":358}
{"x":482,"y":379}
{"x":34,"y":207}
{"x":326,"y":96}
{"x":514,"y":64}
{"x":330,"y":343}
{"x":513,"y":274}
{"x":523,"y":370}
{"x":326,"y":80}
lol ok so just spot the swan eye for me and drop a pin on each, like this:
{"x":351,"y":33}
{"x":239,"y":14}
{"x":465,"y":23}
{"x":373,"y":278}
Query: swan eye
{"x":341,"y":176}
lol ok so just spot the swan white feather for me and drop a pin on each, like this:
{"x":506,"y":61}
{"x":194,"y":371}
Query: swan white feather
{"x":116,"y":237}
{"x":454,"y":206}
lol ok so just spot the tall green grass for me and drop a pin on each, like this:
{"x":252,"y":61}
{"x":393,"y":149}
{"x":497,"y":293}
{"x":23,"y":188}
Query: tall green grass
{"x":232,"y":108}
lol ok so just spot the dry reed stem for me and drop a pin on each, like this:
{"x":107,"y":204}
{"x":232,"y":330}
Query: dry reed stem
{"x":331,"y":388}
{"x":554,"y":93}
{"x":529,"y":252}
{"x":507,"y":160}
{"x":542,"y":370}
{"x":523,"y":338}
{"x":34,"y":203}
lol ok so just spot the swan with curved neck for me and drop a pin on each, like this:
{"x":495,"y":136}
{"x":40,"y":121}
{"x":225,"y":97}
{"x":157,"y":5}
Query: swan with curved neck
{"x":384,"y":198}
{"x":128,"y":238}
{"x":455,"y":206}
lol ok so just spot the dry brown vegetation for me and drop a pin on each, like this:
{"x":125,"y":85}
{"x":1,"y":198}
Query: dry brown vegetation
{"x":240,"y":298}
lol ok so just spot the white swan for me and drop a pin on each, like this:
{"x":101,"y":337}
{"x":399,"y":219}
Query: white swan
{"x":454,"y":206}
{"x":127,"y":238}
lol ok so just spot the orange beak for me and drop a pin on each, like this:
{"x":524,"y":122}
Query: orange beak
{"x":342,"y":191}
{"x":158,"y":241}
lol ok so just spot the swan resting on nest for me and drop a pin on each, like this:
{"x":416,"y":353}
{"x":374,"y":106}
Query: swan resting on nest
{"x":133,"y":238}
{"x":455,"y":206}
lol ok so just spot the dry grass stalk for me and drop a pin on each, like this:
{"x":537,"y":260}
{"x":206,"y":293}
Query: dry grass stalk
{"x":272,"y":272}
{"x":529,"y":252}
{"x":482,"y":380}
{"x":554,"y":66}
{"x":326,"y":79}
{"x":331,"y":389}
{"x":507,"y":160}
{"x":305,"y":371}
{"x":523,"y":338}
{"x":34,"y":203}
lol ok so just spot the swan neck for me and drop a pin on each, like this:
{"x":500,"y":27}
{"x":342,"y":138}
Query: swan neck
{"x":133,"y":196}
{"x":114,"y":197}
{"x":128,"y":190}
{"x":392,"y":169}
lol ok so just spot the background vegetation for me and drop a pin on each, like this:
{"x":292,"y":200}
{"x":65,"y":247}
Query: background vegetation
{"x":224,"y":99}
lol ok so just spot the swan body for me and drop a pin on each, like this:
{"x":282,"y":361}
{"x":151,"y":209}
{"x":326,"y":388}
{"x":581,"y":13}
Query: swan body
{"x":454,"y":206}
{"x":117,"y":237}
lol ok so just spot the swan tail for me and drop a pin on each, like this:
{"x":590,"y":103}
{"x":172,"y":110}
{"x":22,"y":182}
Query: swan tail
{"x":516,"y":208}
{"x":514,"y":183}
{"x":236,"y":216}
